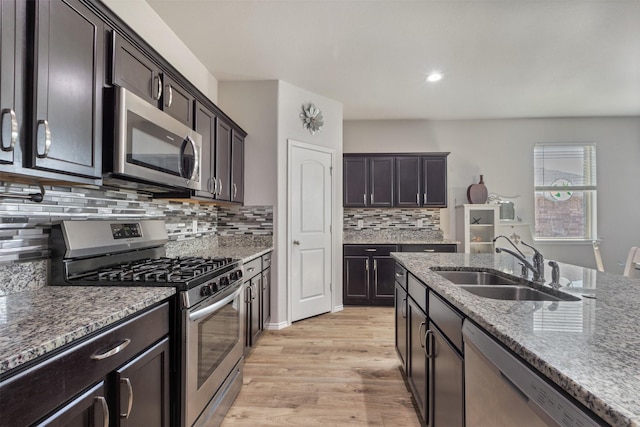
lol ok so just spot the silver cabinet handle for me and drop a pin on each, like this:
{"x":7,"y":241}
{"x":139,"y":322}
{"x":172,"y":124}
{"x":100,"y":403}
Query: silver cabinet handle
{"x":404,"y":308}
{"x":127,"y":382}
{"x":209,"y":184}
{"x":370,"y":250}
{"x":296,"y":242}
{"x":400,"y":274}
{"x":428,"y":250}
{"x":424,"y":199}
{"x":364,"y":199}
{"x":420,"y":333}
{"x":427,"y":347}
{"x":366,"y":265}
{"x":235,"y":190}
{"x":14,"y":130}
{"x":250,"y":269}
{"x":375,"y":266}
{"x":105,"y":410}
{"x":418,"y":199}
{"x":371,"y":198}
{"x":159,"y":87}
{"x":115,"y":350}
{"x":219,"y":187}
{"x":170,"y":100}
{"x":47,"y":139}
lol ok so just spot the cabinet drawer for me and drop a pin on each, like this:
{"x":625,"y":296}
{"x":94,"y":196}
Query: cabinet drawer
{"x":437,"y":247}
{"x":401,"y":276}
{"x":80,"y":366}
{"x":447,"y":319}
{"x":365,"y":250}
{"x":418,"y":291}
{"x":252,"y":268}
{"x":266,"y":261}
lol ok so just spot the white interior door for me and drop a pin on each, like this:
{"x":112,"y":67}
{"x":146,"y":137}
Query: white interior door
{"x":309,"y":230}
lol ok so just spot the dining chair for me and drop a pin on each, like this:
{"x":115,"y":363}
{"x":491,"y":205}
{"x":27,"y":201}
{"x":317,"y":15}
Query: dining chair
{"x":632,"y":260}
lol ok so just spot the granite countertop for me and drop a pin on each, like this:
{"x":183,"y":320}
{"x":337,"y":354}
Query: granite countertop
{"x":245,"y":253}
{"x":33,"y":323}
{"x":589,"y":348}
{"x":394,"y":237}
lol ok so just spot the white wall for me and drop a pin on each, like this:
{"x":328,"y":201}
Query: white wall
{"x":502,"y":150}
{"x":146,"y":22}
{"x":269,"y":112}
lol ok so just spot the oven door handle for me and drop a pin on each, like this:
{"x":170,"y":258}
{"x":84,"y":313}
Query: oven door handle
{"x":198,"y":314}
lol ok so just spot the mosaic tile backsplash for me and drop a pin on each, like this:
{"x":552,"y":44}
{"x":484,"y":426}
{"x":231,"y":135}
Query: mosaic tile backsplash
{"x":25,"y":225}
{"x":397,"y":219}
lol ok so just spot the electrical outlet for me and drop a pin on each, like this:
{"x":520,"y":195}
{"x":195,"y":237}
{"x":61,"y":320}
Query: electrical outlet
{"x":360,"y":223}
{"x":419,"y":223}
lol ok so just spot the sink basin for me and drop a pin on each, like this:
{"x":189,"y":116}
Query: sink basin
{"x":475,"y":278}
{"x":491,"y":285}
{"x":515,"y":293}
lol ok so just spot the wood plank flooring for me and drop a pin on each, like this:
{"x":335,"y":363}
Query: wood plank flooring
{"x":337,"y":369}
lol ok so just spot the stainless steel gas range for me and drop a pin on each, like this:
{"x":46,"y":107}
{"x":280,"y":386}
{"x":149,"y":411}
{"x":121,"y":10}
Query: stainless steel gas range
{"x":209,"y":309}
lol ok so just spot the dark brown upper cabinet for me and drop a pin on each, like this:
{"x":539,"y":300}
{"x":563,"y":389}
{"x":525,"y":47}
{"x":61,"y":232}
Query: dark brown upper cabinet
{"x":68,"y":82}
{"x":135,"y":71}
{"x":395,"y":180}
{"x":223,"y":160}
{"x":368,"y":181}
{"x":237,"y":167}
{"x":11,"y":114}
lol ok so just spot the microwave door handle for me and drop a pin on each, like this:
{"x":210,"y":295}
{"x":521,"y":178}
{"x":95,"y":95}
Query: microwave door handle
{"x":196,"y":159}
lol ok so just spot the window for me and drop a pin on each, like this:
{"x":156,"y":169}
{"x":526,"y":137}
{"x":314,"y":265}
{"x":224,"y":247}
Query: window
{"x":565,"y":191}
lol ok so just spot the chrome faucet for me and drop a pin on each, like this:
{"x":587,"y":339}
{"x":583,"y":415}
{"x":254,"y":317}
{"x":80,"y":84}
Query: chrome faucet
{"x":537,"y":267}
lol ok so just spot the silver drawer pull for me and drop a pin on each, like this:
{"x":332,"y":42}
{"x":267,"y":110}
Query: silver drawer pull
{"x":115,"y":350}
{"x":428,"y":250}
{"x":14,"y":129}
{"x":47,"y":139}
{"x":370,"y":250}
{"x":400,"y":274}
{"x":251,"y":269}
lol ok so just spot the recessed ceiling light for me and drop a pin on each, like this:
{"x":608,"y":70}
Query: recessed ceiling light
{"x":434,"y":76}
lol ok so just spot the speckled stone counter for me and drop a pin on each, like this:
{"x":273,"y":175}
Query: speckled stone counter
{"x":245,"y":253}
{"x":394,"y":237}
{"x":590,"y":348}
{"x":33,"y":323}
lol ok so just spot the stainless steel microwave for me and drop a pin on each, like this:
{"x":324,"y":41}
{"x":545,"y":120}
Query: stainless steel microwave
{"x":152,"y":147}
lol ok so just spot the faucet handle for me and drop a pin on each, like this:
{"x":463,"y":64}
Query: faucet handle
{"x":524,"y":272}
{"x":555,"y":274}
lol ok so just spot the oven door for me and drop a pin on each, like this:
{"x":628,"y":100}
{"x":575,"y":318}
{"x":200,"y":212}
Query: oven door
{"x":213,"y":347}
{"x":153,"y":146}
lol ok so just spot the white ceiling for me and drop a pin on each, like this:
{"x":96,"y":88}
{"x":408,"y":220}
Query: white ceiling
{"x":501,"y":58}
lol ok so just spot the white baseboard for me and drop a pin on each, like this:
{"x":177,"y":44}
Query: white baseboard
{"x":337,"y":308}
{"x":276,"y":326}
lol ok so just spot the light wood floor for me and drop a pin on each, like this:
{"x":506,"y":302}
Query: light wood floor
{"x":337,"y":369}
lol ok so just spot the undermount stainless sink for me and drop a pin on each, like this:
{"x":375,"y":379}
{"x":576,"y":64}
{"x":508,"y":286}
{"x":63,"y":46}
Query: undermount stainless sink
{"x":475,"y":278}
{"x":491,"y":285}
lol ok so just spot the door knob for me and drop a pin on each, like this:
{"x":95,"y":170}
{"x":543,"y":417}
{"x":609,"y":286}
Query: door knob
{"x":296,"y":242}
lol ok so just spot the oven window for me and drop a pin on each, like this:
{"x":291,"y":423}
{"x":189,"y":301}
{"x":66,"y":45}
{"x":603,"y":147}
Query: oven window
{"x":217,"y":335}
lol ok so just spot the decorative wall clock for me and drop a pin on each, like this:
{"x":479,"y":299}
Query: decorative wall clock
{"x":312,"y":119}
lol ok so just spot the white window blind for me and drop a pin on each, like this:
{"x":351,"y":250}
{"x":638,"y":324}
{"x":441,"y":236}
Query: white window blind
{"x":565,"y":191}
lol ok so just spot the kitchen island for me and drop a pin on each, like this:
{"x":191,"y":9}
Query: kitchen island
{"x":589,"y":348}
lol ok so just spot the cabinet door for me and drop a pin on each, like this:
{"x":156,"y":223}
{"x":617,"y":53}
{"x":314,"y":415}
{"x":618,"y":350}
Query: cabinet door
{"x":381,"y":181}
{"x":384,"y":269}
{"x":401,"y":325}
{"x":355,"y":182}
{"x":266,"y":297}
{"x":205,"y":125}
{"x":356,"y":279}
{"x":10,"y":114}
{"x":223,"y":159}
{"x":254,"y":309}
{"x":434,"y":181}
{"x":87,"y":410}
{"x":417,"y":366}
{"x":447,"y":402}
{"x":69,"y":80}
{"x":135,"y":72}
{"x":407,"y":181}
{"x":142,"y":389}
{"x":237,"y":168}
{"x":177,"y":102}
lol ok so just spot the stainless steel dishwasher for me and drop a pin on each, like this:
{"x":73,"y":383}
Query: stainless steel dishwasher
{"x":501,"y":391}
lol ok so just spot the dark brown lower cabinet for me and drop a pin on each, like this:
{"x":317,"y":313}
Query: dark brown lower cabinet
{"x":368,"y":275}
{"x":401,"y":322}
{"x":447,"y":403}
{"x":122,"y":374}
{"x":257,"y":298}
{"x":417,"y":363}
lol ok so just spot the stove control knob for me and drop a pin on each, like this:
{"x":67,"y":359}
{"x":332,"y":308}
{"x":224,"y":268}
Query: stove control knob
{"x":224,"y":281}
{"x":205,"y":291}
{"x":239,"y":272}
{"x":234,"y":275}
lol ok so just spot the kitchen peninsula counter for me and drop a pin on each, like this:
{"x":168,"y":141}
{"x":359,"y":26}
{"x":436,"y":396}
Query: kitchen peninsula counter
{"x":34,"y":323}
{"x":394,"y":237}
{"x":589,"y":348}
